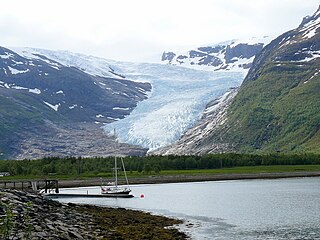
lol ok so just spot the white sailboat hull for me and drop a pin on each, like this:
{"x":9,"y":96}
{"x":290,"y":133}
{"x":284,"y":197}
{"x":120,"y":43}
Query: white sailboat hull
{"x":115,"y":190}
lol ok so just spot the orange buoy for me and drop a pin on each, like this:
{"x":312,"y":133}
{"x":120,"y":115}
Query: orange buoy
{"x":142,"y":195}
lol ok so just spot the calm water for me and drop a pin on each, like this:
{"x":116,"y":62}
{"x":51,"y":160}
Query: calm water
{"x":246,"y":209}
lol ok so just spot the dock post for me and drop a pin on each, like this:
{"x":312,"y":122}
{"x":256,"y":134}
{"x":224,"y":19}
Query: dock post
{"x":57,"y":186}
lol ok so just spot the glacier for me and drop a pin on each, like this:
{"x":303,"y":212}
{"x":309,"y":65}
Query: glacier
{"x":178,"y":98}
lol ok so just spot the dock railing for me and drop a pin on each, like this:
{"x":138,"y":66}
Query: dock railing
{"x":37,"y":186}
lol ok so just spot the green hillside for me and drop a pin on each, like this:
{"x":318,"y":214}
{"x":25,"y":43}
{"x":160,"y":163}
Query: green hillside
{"x":278,"y":105}
{"x":278,"y":111}
{"x":20,"y":113}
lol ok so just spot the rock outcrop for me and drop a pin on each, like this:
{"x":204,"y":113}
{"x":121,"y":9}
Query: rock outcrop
{"x":235,"y":55}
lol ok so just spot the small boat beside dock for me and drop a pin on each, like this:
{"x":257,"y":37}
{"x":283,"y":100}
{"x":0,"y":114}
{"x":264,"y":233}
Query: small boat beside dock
{"x":113,"y":188}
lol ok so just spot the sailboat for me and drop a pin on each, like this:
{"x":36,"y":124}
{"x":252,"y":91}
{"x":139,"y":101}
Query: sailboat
{"x":114,"y":188}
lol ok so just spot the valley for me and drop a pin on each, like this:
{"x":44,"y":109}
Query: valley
{"x":205,"y":100}
{"x":160,"y":120}
{"x":64,"y":102}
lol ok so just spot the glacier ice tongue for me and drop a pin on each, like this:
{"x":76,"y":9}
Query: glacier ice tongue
{"x":178,"y":98}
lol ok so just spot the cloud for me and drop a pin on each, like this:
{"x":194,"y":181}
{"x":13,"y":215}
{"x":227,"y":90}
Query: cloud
{"x":129,"y":30}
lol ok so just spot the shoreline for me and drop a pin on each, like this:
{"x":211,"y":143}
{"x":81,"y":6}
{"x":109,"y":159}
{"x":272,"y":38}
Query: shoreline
{"x":29,"y":216}
{"x":184,"y":178}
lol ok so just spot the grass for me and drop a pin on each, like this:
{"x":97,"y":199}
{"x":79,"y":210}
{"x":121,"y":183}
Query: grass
{"x":135,"y":174}
{"x":246,"y":169}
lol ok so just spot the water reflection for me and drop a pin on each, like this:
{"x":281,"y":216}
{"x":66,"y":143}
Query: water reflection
{"x":248,"y":209}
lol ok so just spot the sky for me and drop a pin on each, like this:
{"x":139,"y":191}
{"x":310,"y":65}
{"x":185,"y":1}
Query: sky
{"x":140,"y":30}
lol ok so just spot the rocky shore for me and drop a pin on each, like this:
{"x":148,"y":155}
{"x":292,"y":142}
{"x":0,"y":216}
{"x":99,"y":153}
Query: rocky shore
{"x":27,"y":216}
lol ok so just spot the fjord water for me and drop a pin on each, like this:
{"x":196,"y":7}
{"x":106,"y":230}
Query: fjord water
{"x":245,"y":209}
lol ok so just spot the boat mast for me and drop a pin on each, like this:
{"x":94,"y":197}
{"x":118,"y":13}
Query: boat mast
{"x":116,"y":171}
{"x":124,"y":170}
{"x":115,"y":159}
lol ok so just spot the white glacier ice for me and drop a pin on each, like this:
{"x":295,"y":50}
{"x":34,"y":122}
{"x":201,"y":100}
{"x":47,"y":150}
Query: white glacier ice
{"x":16,"y":71}
{"x":177,"y":100}
{"x":54,"y":107}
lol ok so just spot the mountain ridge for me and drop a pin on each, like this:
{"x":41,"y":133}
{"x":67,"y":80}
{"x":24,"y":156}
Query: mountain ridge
{"x":233,"y":55}
{"x":277,"y":107}
{"x":40,"y":95}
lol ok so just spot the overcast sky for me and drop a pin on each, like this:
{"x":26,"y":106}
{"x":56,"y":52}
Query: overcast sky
{"x":136,"y":30}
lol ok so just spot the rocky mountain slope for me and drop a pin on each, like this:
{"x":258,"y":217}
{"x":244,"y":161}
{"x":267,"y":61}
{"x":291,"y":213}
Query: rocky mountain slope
{"x":234,"y":55}
{"x":40,"y":95}
{"x":277,"y":106}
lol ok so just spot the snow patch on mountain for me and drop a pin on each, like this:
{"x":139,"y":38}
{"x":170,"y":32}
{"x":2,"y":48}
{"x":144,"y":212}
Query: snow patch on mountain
{"x":54,"y":107}
{"x":16,"y":87}
{"x":16,"y":71}
{"x":35,"y":91}
{"x":120,"y":108}
{"x":7,"y":55}
{"x":313,"y":55}
{"x":73,"y":106}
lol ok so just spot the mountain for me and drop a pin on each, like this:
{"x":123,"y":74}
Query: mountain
{"x":234,"y":55}
{"x":277,"y":106}
{"x":175,"y":103}
{"x":69,"y":91}
{"x":59,"y":100}
{"x":42,"y":98}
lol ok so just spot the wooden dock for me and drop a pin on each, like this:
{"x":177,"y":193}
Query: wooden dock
{"x":47,"y":186}
{"x":50,"y":189}
{"x":83,"y":195}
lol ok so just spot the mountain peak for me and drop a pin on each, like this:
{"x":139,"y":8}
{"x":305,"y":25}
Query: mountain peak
{"x":233,"y":55}
{"x":308,"y":19}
